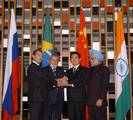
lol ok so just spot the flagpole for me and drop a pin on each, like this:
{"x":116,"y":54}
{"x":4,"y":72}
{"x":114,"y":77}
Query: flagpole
{"x":15,"y":1}
{"x":106,"y":50}
{"x":114,"y":33}
{"x":42,"y":19}
{"x":91,"y":24}
{"x":22,"y":59}
{"x":61,"y":31}
{"x":129,"y":60}
{"x":30,"y":56}
{"x":30,"y":53}
{"x":2,"y":60}
{"x":53,"y":25}
{"x":75,"y":28}
{"x":99,"y":27}
{"x":14,"y":7}
{"x":36,"y":24}
{"x":69,"y":27}
{"x":8,"y":16}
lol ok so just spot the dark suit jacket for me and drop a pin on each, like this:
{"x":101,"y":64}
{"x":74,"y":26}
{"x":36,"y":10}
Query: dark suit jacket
{"x":38,"y":83}
{"x":55,"y":94}
{"x":98,"y":83}
{"x":78,"y":79}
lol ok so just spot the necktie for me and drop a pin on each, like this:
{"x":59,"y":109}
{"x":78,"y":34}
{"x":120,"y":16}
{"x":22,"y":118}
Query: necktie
{"x":54,"y":70}
{"x":74,"y":70}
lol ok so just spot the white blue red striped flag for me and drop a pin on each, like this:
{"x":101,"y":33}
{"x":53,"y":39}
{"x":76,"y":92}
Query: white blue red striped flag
{"x":12,"y":72}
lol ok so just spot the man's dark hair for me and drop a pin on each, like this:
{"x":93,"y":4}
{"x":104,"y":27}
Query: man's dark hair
{"x":75,"y":53}
{"x":37,"y":50}
{"x":54,"y":53}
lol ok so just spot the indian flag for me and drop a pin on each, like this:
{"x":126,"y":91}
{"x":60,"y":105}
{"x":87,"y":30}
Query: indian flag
{"x":122,"y":84}
{"x":47,"y":45}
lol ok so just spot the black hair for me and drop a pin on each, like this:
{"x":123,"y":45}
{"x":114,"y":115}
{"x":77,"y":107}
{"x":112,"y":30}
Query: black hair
{"x":54,"y":53}
{"x":75,"y":53}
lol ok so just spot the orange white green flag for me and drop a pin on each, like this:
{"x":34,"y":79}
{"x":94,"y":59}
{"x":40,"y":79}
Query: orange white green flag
{"x":122,"y":83}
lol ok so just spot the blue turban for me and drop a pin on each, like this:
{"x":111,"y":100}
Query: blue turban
{"x":97,"y":54}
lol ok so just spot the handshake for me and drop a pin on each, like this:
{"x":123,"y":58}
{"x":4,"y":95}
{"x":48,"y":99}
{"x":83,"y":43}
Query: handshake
{"x":63,"y":82}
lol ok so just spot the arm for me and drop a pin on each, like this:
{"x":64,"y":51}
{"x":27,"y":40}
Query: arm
{"x":80,"y":81}
{"x":105,"y":83}
{"x":58,"y":79}
{"x":40,"y":74}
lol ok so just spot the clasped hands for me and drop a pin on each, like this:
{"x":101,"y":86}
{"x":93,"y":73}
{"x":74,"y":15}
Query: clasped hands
{"x":62,"y":82}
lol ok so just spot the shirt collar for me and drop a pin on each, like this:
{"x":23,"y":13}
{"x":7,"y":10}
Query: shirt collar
{"x":35,"y":62}
{"x":76,"y":66}
{"x":53,"y":68}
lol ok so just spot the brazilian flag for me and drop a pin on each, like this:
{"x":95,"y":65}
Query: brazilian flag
{"x":47,"y":41}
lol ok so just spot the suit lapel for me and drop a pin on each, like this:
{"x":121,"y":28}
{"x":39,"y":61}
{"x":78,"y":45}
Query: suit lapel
{"x":51,"y":71}
{"x":77,"y":72}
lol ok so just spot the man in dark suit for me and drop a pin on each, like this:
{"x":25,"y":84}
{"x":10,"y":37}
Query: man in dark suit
{"x":77,"y":76}
{"x":37,"y":87}
{"x":98,"y":83}
{"x":54,"y":103}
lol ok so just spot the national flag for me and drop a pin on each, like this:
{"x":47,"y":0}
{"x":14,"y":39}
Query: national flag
{"x":12,"y":72}
{"x":47,"y":42}
{"x":122,"y":83}
{"x":82,"y":46}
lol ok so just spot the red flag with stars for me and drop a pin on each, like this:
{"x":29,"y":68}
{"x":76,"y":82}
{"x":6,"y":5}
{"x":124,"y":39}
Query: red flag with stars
{"x":82,"y":46}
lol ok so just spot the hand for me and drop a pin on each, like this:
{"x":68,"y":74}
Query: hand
{"x":70,"y":85}
{"x":99,"y":102}
{"x":66,"y":78}
{"x":58,"y":82}
{"x":62,"y":82}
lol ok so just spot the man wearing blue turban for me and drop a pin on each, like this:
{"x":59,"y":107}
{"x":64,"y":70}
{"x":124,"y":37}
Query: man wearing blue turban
{"x":97,"y":54}
{"x":97,"y":86}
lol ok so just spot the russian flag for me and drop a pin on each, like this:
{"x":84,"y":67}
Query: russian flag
{"x":12,"y":74}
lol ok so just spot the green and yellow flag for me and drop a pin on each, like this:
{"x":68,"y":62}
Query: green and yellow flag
{"x":47,"y":41}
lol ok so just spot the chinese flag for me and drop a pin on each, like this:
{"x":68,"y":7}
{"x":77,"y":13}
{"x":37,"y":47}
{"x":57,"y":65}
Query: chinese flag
{"x":82,"y":46}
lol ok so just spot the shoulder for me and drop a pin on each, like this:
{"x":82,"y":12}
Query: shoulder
{"x":32,"y":65}
{"x":46,"y":67}
{"x":59,"y":68}
{"x":83,"y":68}
{"x":32,"y":68}
{"x":69,"y":70}
{"x":105,"y":69}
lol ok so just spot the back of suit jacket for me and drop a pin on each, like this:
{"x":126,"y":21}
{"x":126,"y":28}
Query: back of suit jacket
{"x":37,"y":83}
{"x":78,"y":79}
{"x":98,"y":82}
{"x":55,"y":94}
